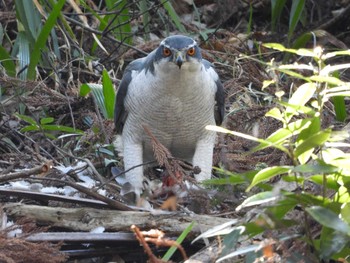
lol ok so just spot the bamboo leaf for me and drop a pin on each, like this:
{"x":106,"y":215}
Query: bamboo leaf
{"x":42,"y":38}
{"x":108,"y":94}
{"x":268,"y":173}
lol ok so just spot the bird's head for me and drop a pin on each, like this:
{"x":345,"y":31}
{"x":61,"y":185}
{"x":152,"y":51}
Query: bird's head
{"x":180,"y":51}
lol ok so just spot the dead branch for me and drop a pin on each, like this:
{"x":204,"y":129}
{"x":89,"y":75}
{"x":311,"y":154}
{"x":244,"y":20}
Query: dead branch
{"x":40,"y":169}
{"x":86,"y":219}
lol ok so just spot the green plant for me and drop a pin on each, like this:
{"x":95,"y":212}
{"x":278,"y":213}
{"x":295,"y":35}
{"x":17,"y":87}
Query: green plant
{"x":46,"y":126}
{"x":295,"y":15}
{"x":316,"y":157}
{"x":104,"y":94}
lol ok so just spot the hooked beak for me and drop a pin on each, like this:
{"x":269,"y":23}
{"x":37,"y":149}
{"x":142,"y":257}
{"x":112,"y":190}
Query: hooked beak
{"x":179,"y":59}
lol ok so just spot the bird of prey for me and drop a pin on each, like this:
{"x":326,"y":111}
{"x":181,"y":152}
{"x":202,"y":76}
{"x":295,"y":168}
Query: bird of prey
{"x":175,"y":93}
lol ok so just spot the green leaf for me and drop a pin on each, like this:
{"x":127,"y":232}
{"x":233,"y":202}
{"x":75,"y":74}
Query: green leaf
{"x":306,"y":133}
{"x":340,"y":108}
{"x":109,"y":94}
{"x":314,"y":141}
{"x":29,"y":17}
{"x":51,"y":127}
{"x":328,"y":219}
{"x":345,"y":212}
{"x":26,"y":118}
{"x":180,"y":239}
{"x":7,"y":62}
{"x":330,"y":183}
{"x":146,"y":20}
{"x":276,"y":114}
{"x":30,"y":128}
{"x":230,"y":241}
{"x":315,"y":168}
{"x":84,"y":90}
{"x":23,"y":55}
{"x":47,"y":120}
{"x":276,"y":11}
{"x":42,"y":38}
{"x":327,"y":79}
{"x":302,"y":95}
{"x":174,"y":17}
{"x":266,"y":143}
{"x":332,"y":242}
{"x":268,"y":173}
{"x":295,"y":14}
{"x":122,"y":22}
{"x":280,"y":136}
{"x":257,"y":199}
{"x":97,"y":92}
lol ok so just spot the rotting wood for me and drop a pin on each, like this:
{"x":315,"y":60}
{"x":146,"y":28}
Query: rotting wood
{"x":86,"y":219}
{"x":81,"y":237}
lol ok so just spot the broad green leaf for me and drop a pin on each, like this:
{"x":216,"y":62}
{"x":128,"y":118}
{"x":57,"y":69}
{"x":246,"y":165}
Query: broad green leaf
{"x":30,"y":128}
{"x":179,"y":240}
{"x":332,"y":242}
{"x":267,"y":174}
{"x":108,"y":94}
{"x":303,"y":94}
{"x":315,"y":168}
{"x":259,"y":198}
{"x":330,"y":182}
{"x":298,"y":108}
{"x":23,"y":55}
{"x":232,"y":179}
{"x":29,"y":17}
{"x":42,"y":38}
{"x":295,"y":14}
{"x":7,"y":62}
{"x":328,"y":219}
{"x":314,"y":141}
{"x":230,"y":241}
{"x":47,"y":120}
{"x":275,"y":113}
{"x":345,"y":212}
{"x":97,"y":93}
{"x":254,"y":249}
{"x":306,"y":133}
{"x":219,"y":230}
{"x":282,"y":207}
{"x":340,"y":108}
{"x":26,"y":118}
{"x":84,"y":90}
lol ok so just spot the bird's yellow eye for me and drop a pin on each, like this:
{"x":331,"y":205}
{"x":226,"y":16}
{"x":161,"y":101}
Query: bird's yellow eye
{"x":166,"y":52}
{"x":191,"y":51}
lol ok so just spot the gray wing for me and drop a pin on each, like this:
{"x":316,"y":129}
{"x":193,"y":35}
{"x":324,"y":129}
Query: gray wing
{"x":219,"y":96}
{"x":120,"y":113}
{"x":220,"y":103}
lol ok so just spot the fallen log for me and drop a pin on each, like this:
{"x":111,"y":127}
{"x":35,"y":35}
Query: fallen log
{"x":86,"y":219}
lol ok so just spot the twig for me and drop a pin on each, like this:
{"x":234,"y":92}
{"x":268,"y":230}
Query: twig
{"x":40,"y":169}
{"x":146,"y":248}
{"x":113,"y":203}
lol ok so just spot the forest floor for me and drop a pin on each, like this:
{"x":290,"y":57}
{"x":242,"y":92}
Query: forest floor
{"x":57,"y":188}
